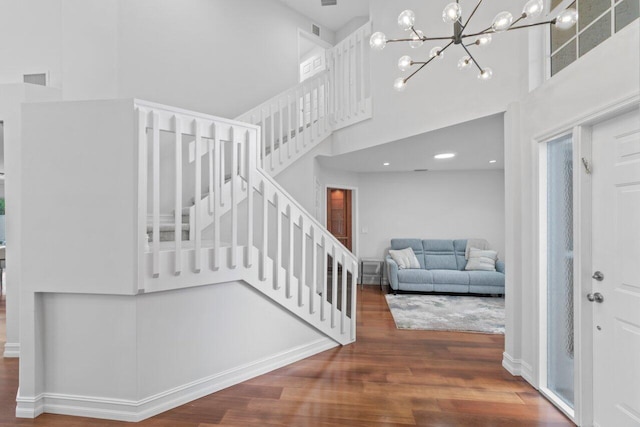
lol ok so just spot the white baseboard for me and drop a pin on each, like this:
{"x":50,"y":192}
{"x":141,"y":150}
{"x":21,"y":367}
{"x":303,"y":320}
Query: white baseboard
{"x":518,"y":368}
{"x":11,"y":349}
{"x":133,"y":411}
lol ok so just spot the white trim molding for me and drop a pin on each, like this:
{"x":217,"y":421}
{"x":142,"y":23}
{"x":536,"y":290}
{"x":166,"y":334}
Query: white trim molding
{"x":11,"y":350}
{"x":518,"y":368}
{"x":134,"y":411}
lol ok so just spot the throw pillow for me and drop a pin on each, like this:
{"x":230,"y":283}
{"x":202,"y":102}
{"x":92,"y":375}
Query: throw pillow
{"x":405,"y":258}
{"x":484,"y":260}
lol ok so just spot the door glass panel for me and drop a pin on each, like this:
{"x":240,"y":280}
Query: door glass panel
{"x":560,"y":364}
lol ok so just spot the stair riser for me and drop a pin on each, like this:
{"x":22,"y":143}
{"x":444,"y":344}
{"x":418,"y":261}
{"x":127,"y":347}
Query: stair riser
{"x":169,"y":236}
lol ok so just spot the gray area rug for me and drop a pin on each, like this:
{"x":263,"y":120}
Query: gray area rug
{"x":448,"y":313}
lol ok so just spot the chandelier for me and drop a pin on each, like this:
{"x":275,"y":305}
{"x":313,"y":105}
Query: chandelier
{"x":452,"y":13}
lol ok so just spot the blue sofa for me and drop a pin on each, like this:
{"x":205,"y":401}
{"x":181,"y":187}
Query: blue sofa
{"x":441,"y":269}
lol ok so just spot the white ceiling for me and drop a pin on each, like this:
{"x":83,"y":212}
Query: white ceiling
{"x":331,"y":17}
{"x":475,"y":143}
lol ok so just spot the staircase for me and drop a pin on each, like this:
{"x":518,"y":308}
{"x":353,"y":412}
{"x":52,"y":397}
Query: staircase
{"x":237,"y":223}
{"x":253,"y":230}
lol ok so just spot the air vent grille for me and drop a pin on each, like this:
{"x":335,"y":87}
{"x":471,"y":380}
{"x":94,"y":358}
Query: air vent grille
{"x":315,"y":30}
{"x":329,"y":2}
{"x":421,"y":170}
{"x":35,"y":79}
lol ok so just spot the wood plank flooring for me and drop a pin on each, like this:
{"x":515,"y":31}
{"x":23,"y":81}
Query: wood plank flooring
{"x":388,"y":377}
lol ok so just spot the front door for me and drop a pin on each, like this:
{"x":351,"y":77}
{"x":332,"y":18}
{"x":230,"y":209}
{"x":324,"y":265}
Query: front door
{"x":616,"y":261}
{"x":339,"y":215}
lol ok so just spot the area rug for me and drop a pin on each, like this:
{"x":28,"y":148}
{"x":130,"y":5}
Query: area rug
{"x":448,"y":313}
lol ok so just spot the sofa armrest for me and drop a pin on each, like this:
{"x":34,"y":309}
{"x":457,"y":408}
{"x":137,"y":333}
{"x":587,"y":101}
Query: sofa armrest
{"x":392,"y":272}
{"x":500,"y":266}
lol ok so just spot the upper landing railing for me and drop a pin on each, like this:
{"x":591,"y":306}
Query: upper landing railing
{"x":303,"y":116}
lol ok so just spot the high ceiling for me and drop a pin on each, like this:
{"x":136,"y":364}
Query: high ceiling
{"x":331,"y":17}
{"x":475,"y":143}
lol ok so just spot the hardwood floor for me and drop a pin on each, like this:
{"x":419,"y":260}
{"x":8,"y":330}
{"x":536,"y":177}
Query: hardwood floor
{"x":388,"y":377}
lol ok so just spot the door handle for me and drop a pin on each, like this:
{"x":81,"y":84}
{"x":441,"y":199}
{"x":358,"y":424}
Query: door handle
{"x":597,"y":297}
{"x":598,"y":276}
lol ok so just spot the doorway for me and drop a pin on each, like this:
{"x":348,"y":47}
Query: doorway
{"x":589,"y":228}
{"x":340,"y":215}
{"x":312,"y":58}
{"x":614,"y":294}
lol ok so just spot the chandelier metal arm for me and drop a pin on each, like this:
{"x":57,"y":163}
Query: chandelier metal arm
{"x":424,"y":64}
{"x":472,"y":58}
{"x":485,"y":31}
{"x":424,"y":39}
{"x":553,"y":21}
{"x":471,"y":16}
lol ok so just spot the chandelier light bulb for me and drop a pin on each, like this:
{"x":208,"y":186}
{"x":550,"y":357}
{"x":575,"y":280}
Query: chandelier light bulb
{"x":566,"y":19}
{"x":502,"y":21}
{"x":483,"y":40}
{"x":436,"y":51}
{"x":378,"y":41}
{"x":406,"y":19}
{"x":533,"y":8}
{"x":485,"y":74}
{"x":451,"y":13}
{"x":464,"y":62}
{"x":400,"y":84}
{"x":404,"y":63}
{"x":416,"y":39}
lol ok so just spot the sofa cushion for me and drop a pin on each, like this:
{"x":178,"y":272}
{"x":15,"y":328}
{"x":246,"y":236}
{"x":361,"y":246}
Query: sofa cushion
{"x":439,"y":255}
{"x":484,"y":260}
{"x":486,"y":278}
{"x":405,"y":258}
{"x":415,"y":276}
{"x":460,"y":246}
{"x":452,"y":277}
{"x":415,"y":244}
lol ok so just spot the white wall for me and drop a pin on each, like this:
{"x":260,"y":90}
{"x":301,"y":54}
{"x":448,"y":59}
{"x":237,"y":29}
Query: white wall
{"x":139,"y":355}
{"x":73,"y":198}
{"x":11,"y":96}
{"x":604,"y":77}
{"x":350,"y":27}
{"x":439,"y":95}
{"x":212,"y":56}
{"x":31,"y":31}
{"x":299,"y":178}
{"x":430,"y":205}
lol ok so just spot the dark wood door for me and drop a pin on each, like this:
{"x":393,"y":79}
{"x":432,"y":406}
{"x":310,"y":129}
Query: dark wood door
{"x":339,"y":215}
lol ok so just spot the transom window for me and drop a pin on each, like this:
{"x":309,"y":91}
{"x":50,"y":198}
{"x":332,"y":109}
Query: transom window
{"x":599,"y":19}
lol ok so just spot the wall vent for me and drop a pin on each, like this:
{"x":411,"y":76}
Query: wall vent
{"x":315,"y":30}
{"x":421,"y":170}
{"x":35,"y":79}
{"x":329,"y":2}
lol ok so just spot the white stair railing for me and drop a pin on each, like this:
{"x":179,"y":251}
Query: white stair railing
{"x":292,"y":122}
{"x":298,"y":119}
{"x":259,"y":233}
{"x":348,"y":64}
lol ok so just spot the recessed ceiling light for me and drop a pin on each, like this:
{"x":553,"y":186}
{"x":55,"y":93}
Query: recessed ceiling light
{"x":386,"y":164}
{"x":442,"y":156}
{"x":493,"y":161}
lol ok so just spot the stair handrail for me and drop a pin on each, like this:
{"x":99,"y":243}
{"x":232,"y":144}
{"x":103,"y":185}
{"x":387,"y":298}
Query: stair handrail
{"x":325,"y":233}
{"x":300,"y":86}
